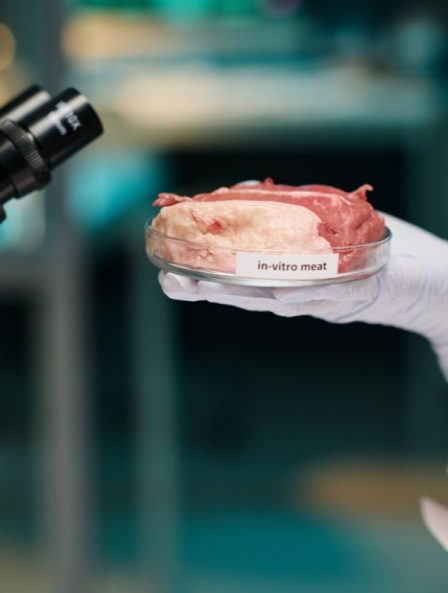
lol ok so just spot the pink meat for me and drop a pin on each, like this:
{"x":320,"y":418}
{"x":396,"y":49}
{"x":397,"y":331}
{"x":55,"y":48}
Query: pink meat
{"x":211,"y":232}
{"x":345,"y":218}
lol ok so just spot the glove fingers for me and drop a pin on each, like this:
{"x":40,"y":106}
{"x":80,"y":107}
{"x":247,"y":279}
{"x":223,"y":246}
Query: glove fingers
{"x":245,"y":297}
{"x":261,"y":299}
{"x":179,"y":287}
{"x":299,"y":295}
{"x":357,"y":290}
{"x":328,"y":310}
{"x":212,"y":289}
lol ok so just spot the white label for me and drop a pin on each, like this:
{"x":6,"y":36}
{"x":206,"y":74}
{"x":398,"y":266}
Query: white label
{"x":287,"y":267}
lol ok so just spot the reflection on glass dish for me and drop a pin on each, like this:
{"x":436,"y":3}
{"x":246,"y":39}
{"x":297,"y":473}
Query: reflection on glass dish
{"x":267,"y":268}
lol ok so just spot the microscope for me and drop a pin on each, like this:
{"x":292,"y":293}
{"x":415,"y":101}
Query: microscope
{"x":38,"y":133}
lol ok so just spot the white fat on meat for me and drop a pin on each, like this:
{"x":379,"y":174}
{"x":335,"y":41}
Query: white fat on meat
{"x":221,"y":228}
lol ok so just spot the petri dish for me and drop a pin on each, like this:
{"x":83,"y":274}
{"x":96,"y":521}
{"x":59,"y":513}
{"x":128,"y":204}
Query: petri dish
{"x":269,"y":268}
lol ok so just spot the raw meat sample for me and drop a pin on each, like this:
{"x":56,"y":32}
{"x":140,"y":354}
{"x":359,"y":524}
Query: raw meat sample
{"x":233,"y":218}
{"x":222,"y":227}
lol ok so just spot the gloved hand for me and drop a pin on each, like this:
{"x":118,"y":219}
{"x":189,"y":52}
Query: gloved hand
{"x":411,"y":293}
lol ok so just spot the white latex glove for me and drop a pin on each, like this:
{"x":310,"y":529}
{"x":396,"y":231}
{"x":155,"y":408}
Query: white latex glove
{"x":411,"y":293}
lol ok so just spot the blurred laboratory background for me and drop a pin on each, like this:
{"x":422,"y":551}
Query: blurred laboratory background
{"x":154,"y":446}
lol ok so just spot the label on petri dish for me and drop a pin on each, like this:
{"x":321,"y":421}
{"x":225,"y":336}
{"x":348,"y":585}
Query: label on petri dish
{"x":287,"y":267}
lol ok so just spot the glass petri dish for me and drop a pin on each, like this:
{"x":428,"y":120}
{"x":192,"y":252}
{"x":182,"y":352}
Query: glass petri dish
{"x":271,"y":268}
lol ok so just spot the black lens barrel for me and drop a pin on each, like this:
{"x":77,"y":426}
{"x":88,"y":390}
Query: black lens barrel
{"x":66,"y":125}
{"x":28,"y":102}
{"x":37,"y":134}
